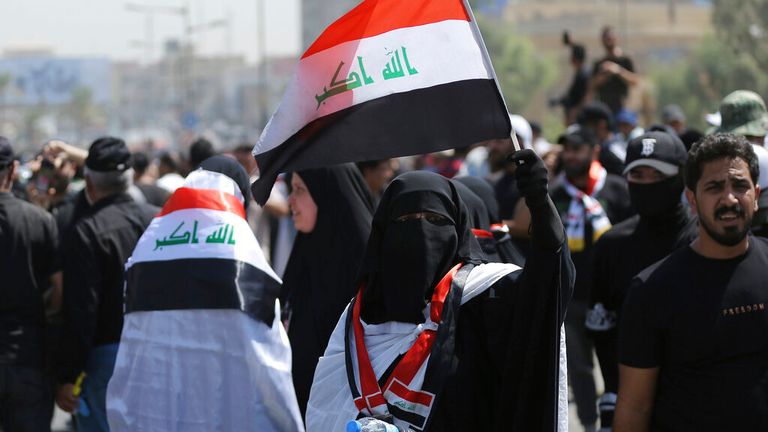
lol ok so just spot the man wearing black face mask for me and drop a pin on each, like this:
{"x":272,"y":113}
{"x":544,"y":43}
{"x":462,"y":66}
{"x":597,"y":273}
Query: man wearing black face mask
{"x":655,"y":163}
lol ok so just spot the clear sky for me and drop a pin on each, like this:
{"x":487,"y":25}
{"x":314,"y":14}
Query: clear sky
{"x":108,"y":28}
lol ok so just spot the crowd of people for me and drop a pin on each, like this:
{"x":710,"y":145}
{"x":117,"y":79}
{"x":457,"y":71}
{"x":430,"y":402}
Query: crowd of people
{"x":437,"y":292}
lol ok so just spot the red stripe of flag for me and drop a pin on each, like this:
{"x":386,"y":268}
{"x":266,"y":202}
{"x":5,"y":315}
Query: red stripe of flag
{"x":188,"y":198}
{"x":440,"y":293}
{"x":481,"y":233}
{"x":375,"y":17}
{"x":421,"y":398}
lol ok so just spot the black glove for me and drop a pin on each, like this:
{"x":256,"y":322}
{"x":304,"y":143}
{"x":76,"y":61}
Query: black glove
{"x":531,"y":176}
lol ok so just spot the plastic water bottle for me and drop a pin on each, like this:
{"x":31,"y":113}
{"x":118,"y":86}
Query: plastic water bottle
{"x":370,"y":424}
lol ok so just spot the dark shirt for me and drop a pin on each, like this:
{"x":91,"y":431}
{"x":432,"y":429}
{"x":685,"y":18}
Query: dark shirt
{"x":577,"y":90}
{"x":28,"y":249}
{"x":97,"y":249}
{"x":613,"y":90}
{"x":614,"y":198}
{"x":68,"y":212}
{"x":155,"y":195}
{"x":703,"y":322}
{"x":620,"y":254}
{"x":610,"y":160}
{"x":507,"y":195}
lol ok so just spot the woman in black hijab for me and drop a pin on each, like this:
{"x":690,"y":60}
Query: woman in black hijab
{"x":507,"y":249}
{"x":326,"y":256}
{"x":438,"y":340}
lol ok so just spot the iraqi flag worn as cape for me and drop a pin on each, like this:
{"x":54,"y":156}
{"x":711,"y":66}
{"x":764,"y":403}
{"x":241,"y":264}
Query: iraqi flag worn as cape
{"x":390,"y":78}
{"x":202,"y":346}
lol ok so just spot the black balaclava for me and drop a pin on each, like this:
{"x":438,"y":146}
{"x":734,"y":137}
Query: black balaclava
{"x":406,"y":259}
{"x":657,"y":201}
{"x":232,"y":169}
{"x":485,"y":192}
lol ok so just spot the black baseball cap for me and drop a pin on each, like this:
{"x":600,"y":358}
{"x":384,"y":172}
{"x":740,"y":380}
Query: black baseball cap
{"x":660,"y":150}
{"x":6,"y":152}
{"x":108,"y":154}
{"x":577,"y":136}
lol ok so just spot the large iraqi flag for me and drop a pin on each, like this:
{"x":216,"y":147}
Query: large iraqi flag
{"x":202,"y":346}
{"x":390,"y":78}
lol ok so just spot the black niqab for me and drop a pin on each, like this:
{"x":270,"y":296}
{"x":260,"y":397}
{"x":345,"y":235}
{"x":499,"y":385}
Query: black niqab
{"x":406,"y":259}
{"x":232,"y":169}
{"x":320,"y":276}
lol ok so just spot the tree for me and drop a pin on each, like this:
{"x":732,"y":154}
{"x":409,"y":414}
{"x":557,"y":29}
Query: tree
{"x":699,"y":83}
{"x":5,"y":80}
{"x":743,"y":26}
{"x":521,"y":70}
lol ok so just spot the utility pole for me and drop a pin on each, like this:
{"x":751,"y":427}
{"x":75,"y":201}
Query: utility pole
{"x":149,"y":12}
{"x":263,"y":70}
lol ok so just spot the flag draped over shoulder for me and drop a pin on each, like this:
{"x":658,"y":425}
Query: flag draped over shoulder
{"x":390,"y":78}
{"x":202,"y":347}
{"x":200,"y":253}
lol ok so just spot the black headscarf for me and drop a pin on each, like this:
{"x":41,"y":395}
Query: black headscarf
{"x":406,"y":259}
{"x":320,"y":276}
{"x":478,"y":213}
{"x":507,"y":249}
{"x":485,"y":192}
{"x":232,"y":169}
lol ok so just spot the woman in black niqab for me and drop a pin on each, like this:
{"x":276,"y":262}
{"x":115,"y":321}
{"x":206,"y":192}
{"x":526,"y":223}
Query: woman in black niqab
{"x":320,"y":275}
{"x":421,"y":229}
{"x":493,"y":355}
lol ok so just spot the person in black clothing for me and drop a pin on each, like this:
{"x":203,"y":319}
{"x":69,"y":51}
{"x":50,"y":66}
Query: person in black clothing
{"x":332,"y":210}
{"x":479,"y":342}
{"x":508,"y":250}
{"x":596,"y":118}
{"x":693,"y":337}
{"x":613,"y":74}
{"x":654,"y":174}
{"x":573,"y":99}
{"x":589,"y":200}
{"x":28,"y":266}
{"x":200,"y":150}
{"x":97,"y":249}
{"x":153,"y":194}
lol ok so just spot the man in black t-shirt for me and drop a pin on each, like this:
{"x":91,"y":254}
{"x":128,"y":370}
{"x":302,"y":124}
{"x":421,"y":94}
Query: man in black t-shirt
{"x":654,"y":174}
{"x":28,"y":266}
{"x":693,"y":339}
{"x":613,"y":74}
{"x":588,"y":200}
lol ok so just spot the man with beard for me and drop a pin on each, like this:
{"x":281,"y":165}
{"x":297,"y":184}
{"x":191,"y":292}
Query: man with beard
{"x":589,"y":201}
{"x":654,"y":174}
{"x":693,"y":340}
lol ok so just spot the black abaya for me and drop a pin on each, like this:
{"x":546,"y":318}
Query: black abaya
{"x":495,"y":363}
{"x":319,"y":278}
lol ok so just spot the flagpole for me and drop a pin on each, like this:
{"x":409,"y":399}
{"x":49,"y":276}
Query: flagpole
{"x":489,"y":65}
